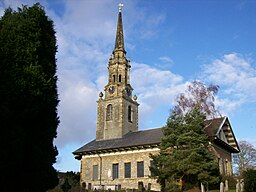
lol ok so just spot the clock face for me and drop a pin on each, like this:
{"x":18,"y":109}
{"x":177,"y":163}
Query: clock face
{"x":111,"y":89}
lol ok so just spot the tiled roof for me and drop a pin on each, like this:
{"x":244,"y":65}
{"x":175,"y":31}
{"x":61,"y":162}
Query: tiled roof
{"x":212,"y":126}
{"x":132,"y":139}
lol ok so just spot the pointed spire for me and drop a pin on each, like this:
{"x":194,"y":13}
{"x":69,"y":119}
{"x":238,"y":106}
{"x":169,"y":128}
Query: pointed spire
{"x":119,"y":44}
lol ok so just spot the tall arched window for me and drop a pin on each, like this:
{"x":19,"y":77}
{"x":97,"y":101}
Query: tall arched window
{"x":120,"y":78}
{"x":114,"y":78}
{"x":109,"y":112}
{"x":129,"y":113}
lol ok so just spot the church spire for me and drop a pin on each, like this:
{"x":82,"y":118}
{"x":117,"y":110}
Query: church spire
{"x":118,"y":110}
{"x":119,"y":44}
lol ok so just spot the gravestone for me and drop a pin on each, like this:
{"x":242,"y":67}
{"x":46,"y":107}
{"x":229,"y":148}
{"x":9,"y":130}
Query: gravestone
{"x":221,"y":187}
{"x":226,"y":185}
{"x":238,"y":186}
{"x":202,"y":188}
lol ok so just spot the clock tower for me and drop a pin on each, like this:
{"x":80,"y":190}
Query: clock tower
{"x":118,"y":109}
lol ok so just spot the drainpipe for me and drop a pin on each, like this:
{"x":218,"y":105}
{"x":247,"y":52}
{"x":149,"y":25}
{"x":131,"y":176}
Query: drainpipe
{"x":100,"y":167}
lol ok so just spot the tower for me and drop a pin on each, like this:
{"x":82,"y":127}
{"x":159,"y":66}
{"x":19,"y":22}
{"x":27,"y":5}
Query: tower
{"x":118,"y":110}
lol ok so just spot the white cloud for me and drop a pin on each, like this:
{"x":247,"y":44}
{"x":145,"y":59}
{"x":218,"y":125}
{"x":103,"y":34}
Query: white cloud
{"x":236,"y":76}
{"x":150,"y":24}
{"x":227,"y":105}
{"x":77,"y":109}
{"x":155,"y":88}
{"x":145,"y":76}
{"x":166,"y":59}
{"x":165,"y":62}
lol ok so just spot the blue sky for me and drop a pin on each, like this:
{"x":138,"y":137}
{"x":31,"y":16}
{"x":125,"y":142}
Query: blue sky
{"x":169,"y":43}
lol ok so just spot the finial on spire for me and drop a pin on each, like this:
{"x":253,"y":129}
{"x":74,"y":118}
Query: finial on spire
{"x":120,"y":5}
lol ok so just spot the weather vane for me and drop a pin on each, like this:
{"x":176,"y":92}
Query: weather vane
{"x":120,"y":5}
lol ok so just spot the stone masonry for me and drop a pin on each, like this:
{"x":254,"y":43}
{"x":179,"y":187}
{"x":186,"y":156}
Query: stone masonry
{"x":105,"y":172}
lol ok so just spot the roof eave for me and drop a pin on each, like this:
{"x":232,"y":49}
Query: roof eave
{"x":225,"y":145}
{"x":120,"y":149}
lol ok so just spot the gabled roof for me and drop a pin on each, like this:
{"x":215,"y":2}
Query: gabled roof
{"x":152,"y":137}
{"x":220,"y":132}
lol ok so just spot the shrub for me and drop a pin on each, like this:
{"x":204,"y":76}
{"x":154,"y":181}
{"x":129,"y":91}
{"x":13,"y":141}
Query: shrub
{"x":250,"y":180}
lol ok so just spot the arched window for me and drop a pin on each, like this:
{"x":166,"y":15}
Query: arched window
{"x":114,"y":78}
{"x":109,"y":112}
{"x":129,"y":113}
{"x":120,"y":78}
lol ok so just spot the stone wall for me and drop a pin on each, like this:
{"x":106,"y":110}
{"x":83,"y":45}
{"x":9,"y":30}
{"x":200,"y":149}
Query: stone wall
{"x":105,"y":163}
{"x":119,"y":124}
{"x":224,"y":159}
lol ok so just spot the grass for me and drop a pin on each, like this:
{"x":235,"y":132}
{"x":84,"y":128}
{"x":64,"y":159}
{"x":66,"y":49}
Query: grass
{"x":232,"y":190}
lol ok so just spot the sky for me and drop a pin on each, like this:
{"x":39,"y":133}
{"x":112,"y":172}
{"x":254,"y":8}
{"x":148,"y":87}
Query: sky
{"x":169,"y":42}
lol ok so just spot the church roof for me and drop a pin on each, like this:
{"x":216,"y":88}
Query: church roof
{"x":132,"y":140}
{"x":212,"y":126}
{"x":152,"y":137}
{"x":220,"y":132}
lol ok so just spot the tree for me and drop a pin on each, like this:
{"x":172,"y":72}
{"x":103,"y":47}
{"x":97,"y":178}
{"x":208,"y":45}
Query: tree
{"x":246,"y":159}
{"x":250,"y":180}
{"x":66,"y":186}
{"x":28,"y":96}
{"x":200,"y":96}
{"x":184,"y":154}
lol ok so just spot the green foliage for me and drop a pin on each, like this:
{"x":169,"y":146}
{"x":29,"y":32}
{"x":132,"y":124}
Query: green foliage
{"x":69,"y":181}
{"x":231,"y":181}
{"x":65,"y":186}
{"x":184,"y":156}
{"x":28,"y":96}
{"x":73,"y":178}
{"x":250,"y":180}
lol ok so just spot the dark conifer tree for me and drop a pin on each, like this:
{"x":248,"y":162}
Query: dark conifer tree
{"x":184,"y":160}
{"x":28,"y":100}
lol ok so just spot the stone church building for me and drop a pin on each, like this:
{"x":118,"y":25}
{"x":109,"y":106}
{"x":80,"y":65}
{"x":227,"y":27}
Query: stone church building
{"x":119,"y":157}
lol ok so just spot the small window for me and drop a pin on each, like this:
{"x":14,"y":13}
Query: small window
{"x":95,"y":169}
{"x":129,"y":113}
{"x":120,"y":78}
{"x":140,"y":169}
{"x":223,"y":166}
{"x":114,"y":78}
{"x":127,"y":170}
{"x":152,"y":166}
{"x":115,"y":171}
{"x":109,"y":112}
